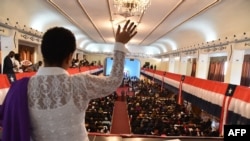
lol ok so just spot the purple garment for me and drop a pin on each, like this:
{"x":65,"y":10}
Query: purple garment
{"x":15,"y":113}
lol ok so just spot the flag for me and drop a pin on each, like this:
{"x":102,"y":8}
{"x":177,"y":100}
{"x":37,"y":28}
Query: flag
{"x":180,"y":99}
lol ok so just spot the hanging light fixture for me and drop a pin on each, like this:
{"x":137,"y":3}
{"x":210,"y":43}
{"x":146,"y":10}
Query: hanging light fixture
{"x":128,"y":8}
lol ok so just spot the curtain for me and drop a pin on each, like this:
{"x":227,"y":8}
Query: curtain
{"x":216,"y":68}
{"x":245,"y":74}
{"x":26,"y":53}
{"x":193,"y":72}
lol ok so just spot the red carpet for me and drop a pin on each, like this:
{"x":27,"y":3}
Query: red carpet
{"x":120,"y":121}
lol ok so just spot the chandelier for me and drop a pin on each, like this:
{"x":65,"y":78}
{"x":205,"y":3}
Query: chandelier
{"x":128,"y":8}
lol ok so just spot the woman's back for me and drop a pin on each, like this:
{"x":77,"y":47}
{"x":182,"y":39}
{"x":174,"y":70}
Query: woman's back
{"x":61,"y":124}
{"x":52,"y":105}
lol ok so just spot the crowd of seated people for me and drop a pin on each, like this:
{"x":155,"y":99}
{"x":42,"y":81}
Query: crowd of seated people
{"x":76,"y":63}
{"x":154,"y":111}
{"x":99,"y":114}
{"x":129,"y":81}
{"x":80,"y":63}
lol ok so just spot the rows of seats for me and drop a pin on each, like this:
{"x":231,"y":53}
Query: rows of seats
{"x":154,"y":111}
{"x":99,"y":114}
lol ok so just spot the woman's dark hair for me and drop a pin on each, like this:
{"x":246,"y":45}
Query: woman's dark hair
{"x":57,"y":44}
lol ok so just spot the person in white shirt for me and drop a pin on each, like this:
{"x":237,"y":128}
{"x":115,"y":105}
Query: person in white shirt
{"x":57,"y":100}
{"x":17,"y":64}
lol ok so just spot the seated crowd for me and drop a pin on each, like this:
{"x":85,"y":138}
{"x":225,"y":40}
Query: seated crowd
{"x":99,"y":114}
{"x":84,"y":62}
{"x":153,"y":111}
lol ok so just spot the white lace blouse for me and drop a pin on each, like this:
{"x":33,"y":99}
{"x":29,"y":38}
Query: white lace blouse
{"x":57,"y":100}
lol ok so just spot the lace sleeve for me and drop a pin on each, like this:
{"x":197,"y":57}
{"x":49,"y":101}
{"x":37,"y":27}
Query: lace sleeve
{"x":99,"y":86}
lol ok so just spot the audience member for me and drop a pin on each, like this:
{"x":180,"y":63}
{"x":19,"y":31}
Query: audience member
{"x":74,"y":63}
{"x":34,"y":67}
{"x":84,"y":62}
{"x":17,"y":63}
{"x":8,"y":66}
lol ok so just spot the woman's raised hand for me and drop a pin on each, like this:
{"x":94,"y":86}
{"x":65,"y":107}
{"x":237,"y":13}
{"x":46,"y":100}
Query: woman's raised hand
{"x":127,"y":33}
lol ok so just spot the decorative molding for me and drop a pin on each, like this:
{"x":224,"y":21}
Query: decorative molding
{"x":190,"y":52}
{"x":29,"y":37}
{"x":8,"y":24}
{"x":214,"y":49}
{"x":4,"y":31}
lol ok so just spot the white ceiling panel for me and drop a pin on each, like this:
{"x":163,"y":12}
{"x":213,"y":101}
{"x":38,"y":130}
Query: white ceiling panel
{"x":166,"y":25}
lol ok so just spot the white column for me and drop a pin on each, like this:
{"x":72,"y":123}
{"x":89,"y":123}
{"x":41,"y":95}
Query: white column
{"x":7,"y":45}
{"x":177,"y":64}
{"x":183,"y":65}
{"x":202,"y":66}
{"x":234,"y":69}
{"x":171,"y":67}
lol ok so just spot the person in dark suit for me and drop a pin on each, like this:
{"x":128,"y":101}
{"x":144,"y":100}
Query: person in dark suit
{"x":8,"y":66}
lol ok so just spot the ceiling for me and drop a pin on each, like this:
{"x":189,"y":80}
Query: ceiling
{"x":166,"y":26}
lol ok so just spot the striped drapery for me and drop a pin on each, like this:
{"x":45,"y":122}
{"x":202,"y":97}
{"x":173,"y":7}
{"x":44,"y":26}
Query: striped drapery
{"x":230,"y":103}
